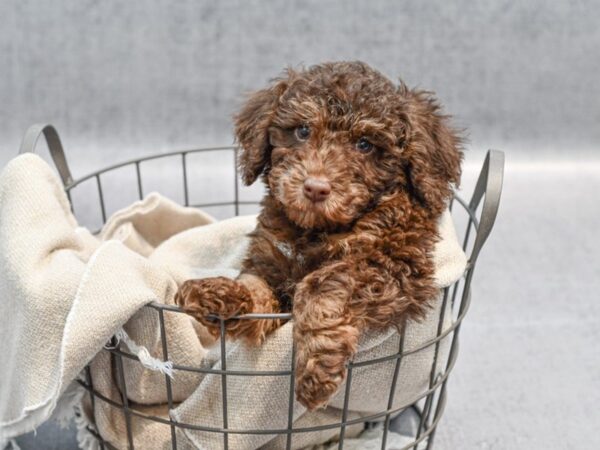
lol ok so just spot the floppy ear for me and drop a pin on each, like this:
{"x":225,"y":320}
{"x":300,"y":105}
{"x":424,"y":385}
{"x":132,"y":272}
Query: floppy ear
{"x":433,"y":151}
{"x":251,"y":130}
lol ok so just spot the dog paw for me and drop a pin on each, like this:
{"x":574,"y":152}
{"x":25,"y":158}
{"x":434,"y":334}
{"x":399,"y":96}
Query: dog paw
{"x":319,"y":379}
{"x":220,"y":296}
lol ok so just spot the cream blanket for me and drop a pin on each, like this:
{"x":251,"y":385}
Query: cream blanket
{"x":65,"y":292}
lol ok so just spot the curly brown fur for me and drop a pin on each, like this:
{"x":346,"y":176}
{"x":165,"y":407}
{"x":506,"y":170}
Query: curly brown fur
{"x":204,"y":298}
{"x":359,"y":255}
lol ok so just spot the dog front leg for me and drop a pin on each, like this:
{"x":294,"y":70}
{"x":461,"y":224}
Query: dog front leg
{"x":225,"y":298}
{"x":325,"y":333}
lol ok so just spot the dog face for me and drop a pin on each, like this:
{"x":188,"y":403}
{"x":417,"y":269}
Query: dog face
{"x":334,"y":140}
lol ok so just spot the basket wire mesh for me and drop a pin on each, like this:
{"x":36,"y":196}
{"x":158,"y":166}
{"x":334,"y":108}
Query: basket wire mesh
{"x":478,"y":218}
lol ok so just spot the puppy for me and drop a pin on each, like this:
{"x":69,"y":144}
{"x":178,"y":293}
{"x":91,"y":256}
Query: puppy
{"x":358,"y":170}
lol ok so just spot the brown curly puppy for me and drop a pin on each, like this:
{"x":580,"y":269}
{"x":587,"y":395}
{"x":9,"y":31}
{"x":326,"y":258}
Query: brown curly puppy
{"x":358,"y":171}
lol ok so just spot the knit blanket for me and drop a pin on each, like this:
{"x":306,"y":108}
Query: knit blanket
{"x":65,"y":292}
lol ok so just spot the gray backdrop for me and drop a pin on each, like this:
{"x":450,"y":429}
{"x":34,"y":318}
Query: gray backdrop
{"x":124,"y":79}
{"x":121,"y":78}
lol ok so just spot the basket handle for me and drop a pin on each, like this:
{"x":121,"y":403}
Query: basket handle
{"x":489,"y":184}
{"x":55,"y":147}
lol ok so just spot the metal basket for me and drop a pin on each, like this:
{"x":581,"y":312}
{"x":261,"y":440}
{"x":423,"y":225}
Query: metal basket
{"x":477,"y":218}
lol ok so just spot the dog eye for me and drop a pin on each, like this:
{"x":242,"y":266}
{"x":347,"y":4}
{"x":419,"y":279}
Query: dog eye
{"x":363,"y":145}
{"x":302,"y":132}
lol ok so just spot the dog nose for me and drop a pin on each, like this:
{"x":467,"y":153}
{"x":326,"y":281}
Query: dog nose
{"x":316,"y":189}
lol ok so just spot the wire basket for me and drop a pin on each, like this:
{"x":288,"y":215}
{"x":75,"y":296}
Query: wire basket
{"x":474,"y":221}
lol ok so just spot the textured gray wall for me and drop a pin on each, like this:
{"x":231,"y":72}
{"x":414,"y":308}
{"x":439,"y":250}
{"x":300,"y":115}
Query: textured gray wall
{"x":124,"y":78}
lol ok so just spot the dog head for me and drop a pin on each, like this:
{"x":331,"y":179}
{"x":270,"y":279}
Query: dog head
{"x":333,"y":140}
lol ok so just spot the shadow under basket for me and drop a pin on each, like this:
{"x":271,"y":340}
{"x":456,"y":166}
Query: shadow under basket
{"x":416,"y":419}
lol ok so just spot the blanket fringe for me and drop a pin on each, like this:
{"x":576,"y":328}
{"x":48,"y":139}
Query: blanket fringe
{"x":69,"y":408}
{"x":146,"y":359}
{"x":12,"y":443}
{"x":67,"y":404}
{"x":86,"y":440}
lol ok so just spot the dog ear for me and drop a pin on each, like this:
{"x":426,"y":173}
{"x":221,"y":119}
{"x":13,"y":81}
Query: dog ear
{"x":433,"y":151}
{"x":251,"y":130}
